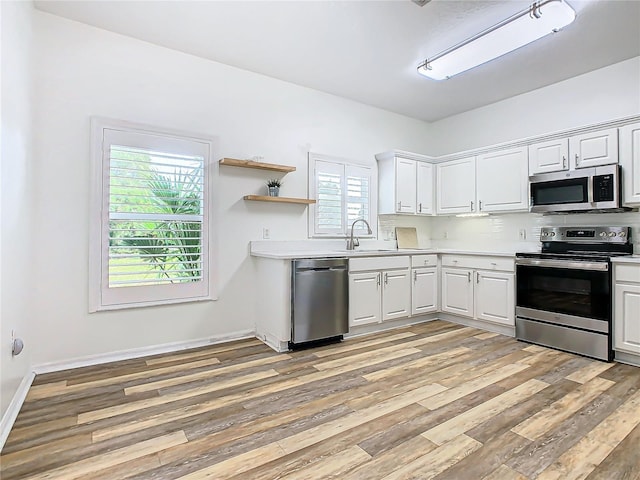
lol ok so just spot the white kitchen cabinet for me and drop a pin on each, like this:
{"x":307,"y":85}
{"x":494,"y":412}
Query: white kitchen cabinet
{"x":379,"y":289}
{"x":456,"y":186}
{"x":424,"y":284}
{"x":425,"y":188}
{"x":405,"y":183}
{"x":630,"y":163}
{"x":396,"y":294}
{"x":494,"y":296}
{"x":364,"y":298}
{"x":594,"y":149}
{"x":479,"y":287}
{"x":550,"y":156}
{"x":502,"y":181}
{"x":591,"y":149}
{"x":424,"y":290}
{"x":626,"y":308}
{"x":457,"y":291}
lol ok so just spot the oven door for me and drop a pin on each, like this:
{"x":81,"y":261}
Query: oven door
{"x":575,"y":293}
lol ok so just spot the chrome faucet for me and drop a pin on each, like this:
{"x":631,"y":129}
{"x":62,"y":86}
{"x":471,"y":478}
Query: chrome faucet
{"x":352,"y":243}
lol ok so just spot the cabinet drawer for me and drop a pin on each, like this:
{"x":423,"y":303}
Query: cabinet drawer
{"x":627,"y":273}
{"x":424,"y":260}
{"x":378,"y":263}
{"x":479,"y":262}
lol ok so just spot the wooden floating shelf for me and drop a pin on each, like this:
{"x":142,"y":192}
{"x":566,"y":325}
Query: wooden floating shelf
{"x":232,"y":162}
{"x":264,"y":198}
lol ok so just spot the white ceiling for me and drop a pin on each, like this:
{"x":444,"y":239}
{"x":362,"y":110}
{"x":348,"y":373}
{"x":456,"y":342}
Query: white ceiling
{"x":368,"y":51}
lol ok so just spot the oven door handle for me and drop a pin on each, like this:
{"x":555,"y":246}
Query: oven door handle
{"x":590,"y":189}
{"x":568,"y":264}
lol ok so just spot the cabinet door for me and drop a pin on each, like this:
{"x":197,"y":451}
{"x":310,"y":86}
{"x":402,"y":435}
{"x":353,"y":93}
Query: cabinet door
{"x":457,"y":291}
{"x":626,"y":320}
{"x":456,"y":186}
{"x":364,"y":298}
{"x":630,"y":162}
{"x":405,"y":186}
{"x":424,"y":188}
{"x":494,"y":297}
{"x":594,"y":149}
{"x":502,"y":181}
{"x":551,"y":156}
{"x":396,"y":294}
{"x":424,"y":291}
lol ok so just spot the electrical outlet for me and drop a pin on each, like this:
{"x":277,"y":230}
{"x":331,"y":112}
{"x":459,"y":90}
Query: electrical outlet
{"x":266,"y":234}
{"x":522,"y":234}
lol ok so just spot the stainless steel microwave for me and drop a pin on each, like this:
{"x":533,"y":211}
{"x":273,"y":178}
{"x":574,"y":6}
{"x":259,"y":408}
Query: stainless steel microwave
{"x":596,"y":188}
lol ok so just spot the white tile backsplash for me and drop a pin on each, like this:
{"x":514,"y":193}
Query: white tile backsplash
{"x":501,"y":231}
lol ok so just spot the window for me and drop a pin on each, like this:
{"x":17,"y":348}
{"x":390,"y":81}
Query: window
{"x":343,"y":192}
{"x":150,"y":219}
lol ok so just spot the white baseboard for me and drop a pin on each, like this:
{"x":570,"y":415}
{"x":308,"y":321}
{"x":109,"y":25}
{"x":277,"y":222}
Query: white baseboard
{"x":10,"y":415}
{"x":139,"y":352}
{"x":509,"y":331}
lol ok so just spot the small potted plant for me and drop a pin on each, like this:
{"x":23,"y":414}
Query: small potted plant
{"x":274,"y":187}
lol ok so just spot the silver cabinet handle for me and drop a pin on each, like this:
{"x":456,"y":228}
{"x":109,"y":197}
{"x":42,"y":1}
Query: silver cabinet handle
{"x":477,"y":277}
{"x":378,"y":279}
{"x":400,"y":205}
{"x":577,"y":160}
{"x":480,"y":205}
{"x":469,"y":276}
{"x":471,"y":205}
{"x":564,"y":162}
{"x":420,"y":207}
{"x":386,"y":279}
{"x":415,"y":276}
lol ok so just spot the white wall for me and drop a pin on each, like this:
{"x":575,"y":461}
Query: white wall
{"x":16,"y":195}
{"x":605,"y":94}
{"x":83,"y":71}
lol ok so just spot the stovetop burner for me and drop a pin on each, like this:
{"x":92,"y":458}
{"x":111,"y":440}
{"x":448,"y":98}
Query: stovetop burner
{"x":583,"y":243}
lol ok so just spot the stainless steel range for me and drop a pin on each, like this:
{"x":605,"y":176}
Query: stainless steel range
{"x":563,"y":297}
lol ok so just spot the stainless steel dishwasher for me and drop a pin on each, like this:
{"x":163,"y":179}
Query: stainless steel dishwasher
{"x":319,"y":300}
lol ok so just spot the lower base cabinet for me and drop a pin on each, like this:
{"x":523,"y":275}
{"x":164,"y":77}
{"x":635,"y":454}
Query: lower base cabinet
{"x":379,"y":289}
{"x":479,"y":287}
{"x":626,"y":308}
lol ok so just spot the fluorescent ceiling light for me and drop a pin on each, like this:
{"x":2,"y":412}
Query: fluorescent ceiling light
{"x":539,"y":20}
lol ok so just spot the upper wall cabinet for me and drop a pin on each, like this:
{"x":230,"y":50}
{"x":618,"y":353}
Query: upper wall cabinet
{"x":594,"y":149}
{"x":456,"y":186}
{"x":491,"y":182}
{"x":502,"y":182}
{"x":551,"y":156}
{"x":630,"y":162}
{"x":591,"y":149}
{"x":405,"y":184}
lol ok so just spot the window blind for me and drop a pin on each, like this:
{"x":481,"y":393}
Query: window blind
{"x":155,"y":217}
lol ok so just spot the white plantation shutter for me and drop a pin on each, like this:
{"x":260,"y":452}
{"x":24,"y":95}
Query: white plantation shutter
{"x":358,"y":198}
{"x":343,"y":193}
{"x":154,"y":218}
{"x":329,"y":183}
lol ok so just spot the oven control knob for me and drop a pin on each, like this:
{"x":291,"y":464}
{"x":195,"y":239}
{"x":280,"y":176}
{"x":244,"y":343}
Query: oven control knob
{"x":553,"y":234}
{"x":603,"y":234}
{"x":612,"y":234}
{"x":622,"y":234}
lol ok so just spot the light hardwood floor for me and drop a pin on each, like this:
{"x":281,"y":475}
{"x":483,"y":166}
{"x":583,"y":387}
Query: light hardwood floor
{"x":434,"y":400}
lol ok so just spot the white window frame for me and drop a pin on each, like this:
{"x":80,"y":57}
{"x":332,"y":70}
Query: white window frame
{"x":101,"y":297}
{"x":345,"y":165}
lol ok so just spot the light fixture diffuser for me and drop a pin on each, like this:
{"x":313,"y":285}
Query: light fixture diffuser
{"x":540,"y":19}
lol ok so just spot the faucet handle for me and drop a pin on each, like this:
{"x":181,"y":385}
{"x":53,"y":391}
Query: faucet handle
{"x":356,"y":242}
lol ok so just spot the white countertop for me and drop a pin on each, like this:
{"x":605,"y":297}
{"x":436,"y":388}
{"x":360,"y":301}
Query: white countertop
{"x":626,"y":259}
{"x":292,"y":250}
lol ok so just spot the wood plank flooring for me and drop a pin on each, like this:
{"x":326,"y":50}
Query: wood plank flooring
{"x":434,"y":400}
